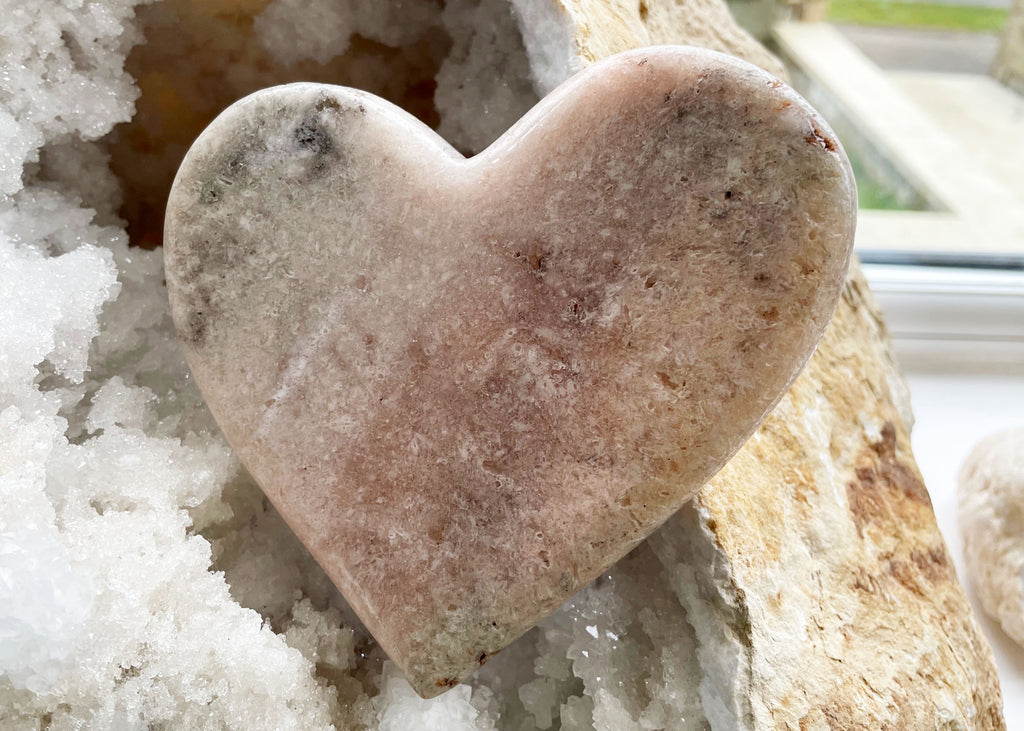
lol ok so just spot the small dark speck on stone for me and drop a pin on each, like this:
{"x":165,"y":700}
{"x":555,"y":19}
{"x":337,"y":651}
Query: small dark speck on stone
{"x":327,"y":102}
{"x":817,"y":137}
{"x":311,"y":136}
{"x":195,"y":332}
{"x":210,"y":194}
{"x":236,"y":163}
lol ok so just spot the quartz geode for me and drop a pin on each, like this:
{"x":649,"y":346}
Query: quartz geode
{"x":148,"y":585}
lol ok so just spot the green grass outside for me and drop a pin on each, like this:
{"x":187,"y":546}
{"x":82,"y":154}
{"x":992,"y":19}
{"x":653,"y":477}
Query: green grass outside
{"x":872,"y":193}
{"x":917,"y":15}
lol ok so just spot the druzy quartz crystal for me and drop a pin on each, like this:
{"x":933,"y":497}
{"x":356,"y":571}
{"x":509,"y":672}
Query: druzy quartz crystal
{"x":471,"y":385}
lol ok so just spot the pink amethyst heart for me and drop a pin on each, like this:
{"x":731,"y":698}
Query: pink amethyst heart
{"x":471,"y":385}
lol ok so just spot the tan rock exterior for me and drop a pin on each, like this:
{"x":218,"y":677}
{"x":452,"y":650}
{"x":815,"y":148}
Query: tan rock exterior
{"x":562,"y":36}
{"x":615,"y":25}
{"x":828,"y":564}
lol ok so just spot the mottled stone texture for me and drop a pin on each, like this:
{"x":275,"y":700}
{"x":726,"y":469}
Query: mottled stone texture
{"x":472,"y":385}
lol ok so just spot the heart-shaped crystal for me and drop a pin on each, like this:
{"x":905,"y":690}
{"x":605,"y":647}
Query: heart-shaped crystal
{"x":471,"y":385}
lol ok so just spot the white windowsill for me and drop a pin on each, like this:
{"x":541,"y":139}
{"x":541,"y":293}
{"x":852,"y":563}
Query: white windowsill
{"x":946,"y":319}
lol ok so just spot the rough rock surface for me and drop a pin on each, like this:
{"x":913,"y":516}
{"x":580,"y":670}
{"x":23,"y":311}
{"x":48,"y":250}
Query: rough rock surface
{"x":991,"y":513}
{"x":563,"y":36}
{"x":829,"y":599}
{"x":471,"y":386}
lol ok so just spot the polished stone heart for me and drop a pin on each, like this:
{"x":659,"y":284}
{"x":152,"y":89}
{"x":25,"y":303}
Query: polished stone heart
{"x":471,"y":385}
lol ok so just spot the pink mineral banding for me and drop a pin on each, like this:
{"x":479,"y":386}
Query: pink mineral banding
{"x":471,"y":385}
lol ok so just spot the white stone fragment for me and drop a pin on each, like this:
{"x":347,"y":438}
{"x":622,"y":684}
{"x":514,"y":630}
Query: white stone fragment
{"x":400,"y":708}
{"x":991,"y":514}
